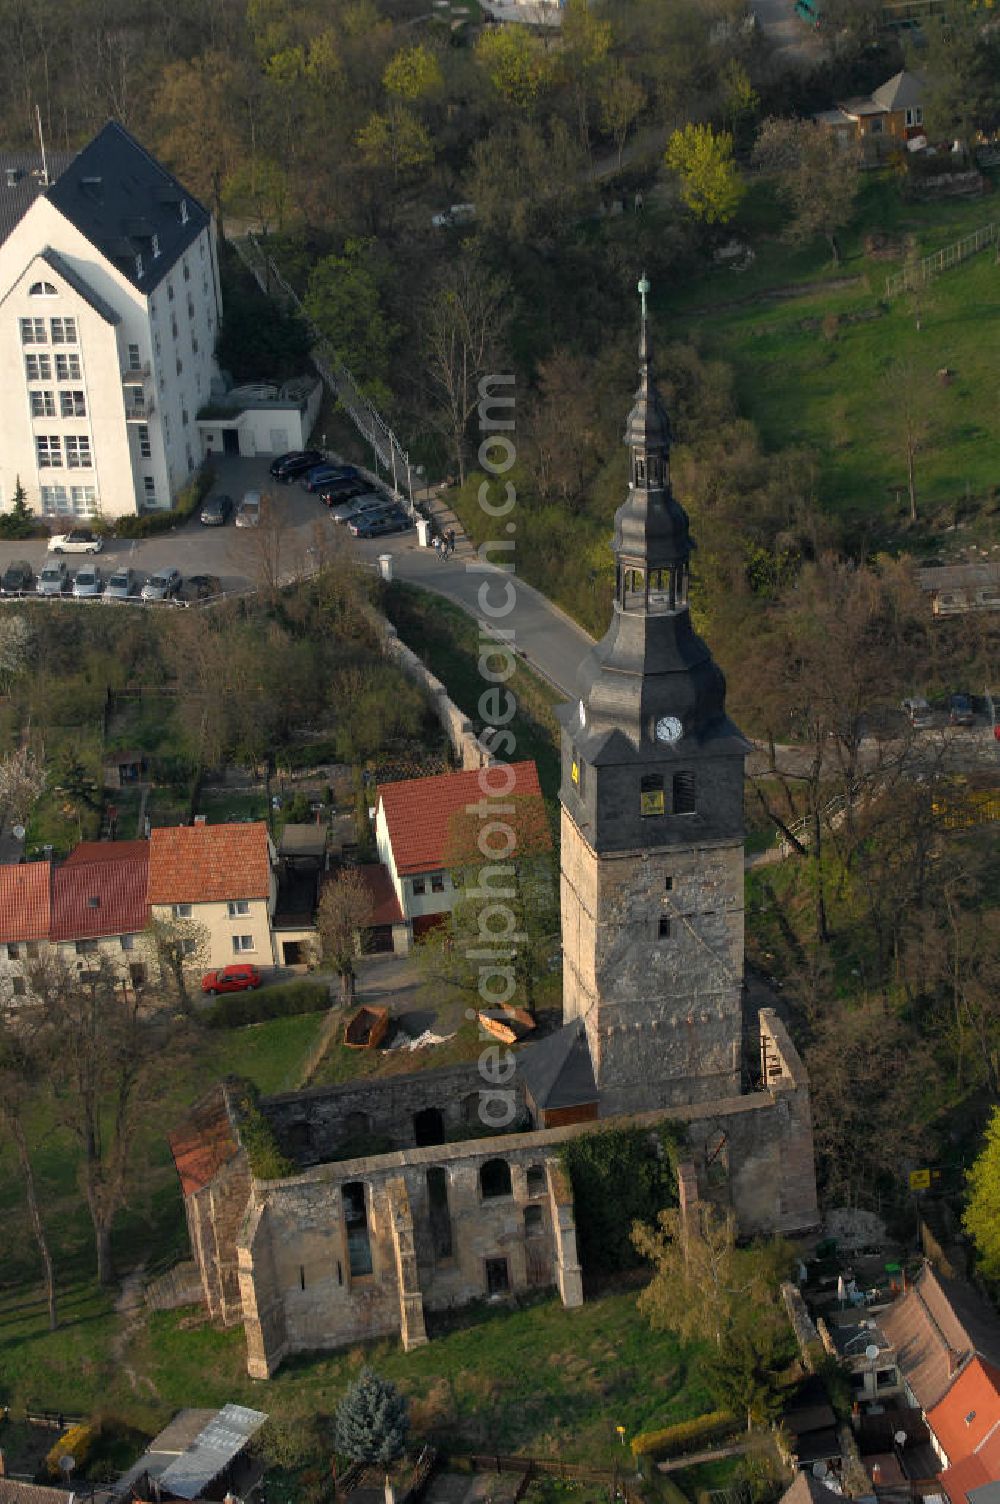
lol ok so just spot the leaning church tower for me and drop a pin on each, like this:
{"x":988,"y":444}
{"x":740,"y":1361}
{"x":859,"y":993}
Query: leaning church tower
{"x":652,"y":815}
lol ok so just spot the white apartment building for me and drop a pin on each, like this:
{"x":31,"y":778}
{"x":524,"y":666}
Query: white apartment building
{"x":109,"y":312}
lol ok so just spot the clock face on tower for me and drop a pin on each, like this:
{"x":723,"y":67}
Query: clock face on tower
{"x":669,"y":729}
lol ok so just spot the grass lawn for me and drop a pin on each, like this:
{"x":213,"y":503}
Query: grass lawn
{"x":592,"y":1369}
{"x":447,"y":639}
{"x":36,"y":1365}
{"x":228,"y":804}
{"x":832,"y":389}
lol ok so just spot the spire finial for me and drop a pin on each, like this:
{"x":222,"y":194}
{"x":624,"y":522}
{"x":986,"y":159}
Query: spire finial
{"x":643,"y":290}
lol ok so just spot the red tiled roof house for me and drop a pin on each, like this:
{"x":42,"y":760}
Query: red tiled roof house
{"x":25,"y":918}
{"x":100,"y":908}
{"x":429,"y":829}
{"x":222,"y":877}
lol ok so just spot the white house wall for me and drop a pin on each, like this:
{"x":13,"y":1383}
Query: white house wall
{"x":168,"y":331}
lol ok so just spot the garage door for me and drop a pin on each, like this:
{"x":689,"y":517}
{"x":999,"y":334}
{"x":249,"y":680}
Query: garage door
{"x":279,"y":440}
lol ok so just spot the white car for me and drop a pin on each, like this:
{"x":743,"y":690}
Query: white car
{"x":164,"y":584}
{"x":248,"y":511}
{"x":79,"y":540}
{"x":88,"y":582}
{"x":458,"y":214}
{"x":53,"y":579}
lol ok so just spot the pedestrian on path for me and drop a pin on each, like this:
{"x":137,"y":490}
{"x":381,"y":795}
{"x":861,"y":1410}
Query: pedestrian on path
{"x":449,"y":538}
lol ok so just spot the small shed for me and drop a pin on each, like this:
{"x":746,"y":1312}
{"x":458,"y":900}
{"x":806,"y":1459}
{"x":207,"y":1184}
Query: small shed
{"x":366,"y":1028}
{"x":121,"y":769}
{"x":302,"y":848}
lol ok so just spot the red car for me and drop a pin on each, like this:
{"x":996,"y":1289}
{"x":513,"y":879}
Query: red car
{"x":240,"y":977}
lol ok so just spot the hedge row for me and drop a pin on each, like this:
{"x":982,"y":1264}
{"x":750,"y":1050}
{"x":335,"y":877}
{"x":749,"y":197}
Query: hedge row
{"x":148,"y":523}
{"x":684,"y":1436}
{"x":234,"y":1010}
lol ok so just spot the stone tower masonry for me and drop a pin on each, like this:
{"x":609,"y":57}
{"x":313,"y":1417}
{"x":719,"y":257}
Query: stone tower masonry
{"x":652,"y":815}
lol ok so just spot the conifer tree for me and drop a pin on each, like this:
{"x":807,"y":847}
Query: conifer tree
{"x":372,"y":1422}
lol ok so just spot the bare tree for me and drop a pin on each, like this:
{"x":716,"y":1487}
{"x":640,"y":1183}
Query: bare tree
{"x":22,"y":783}
{"x":179,"y":944}
{"x":20,"y":1075}
{"x":102,"y":1053}
{"x":907,"y":420}
{"x":816,"y":177}
{"x":622,"y":100}
{"x":464,"y":323}
{"x":344,"y":912}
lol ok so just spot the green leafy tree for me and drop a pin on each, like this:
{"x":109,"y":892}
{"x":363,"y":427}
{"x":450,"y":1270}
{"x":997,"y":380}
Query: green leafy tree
{"x":982,"y":1212}
{"x":709,"y":182}
{"x":961,"y":64}
{"x":344,"y":300}
{"x":414,"y":73}
{"x":706,"y":1289}
{"x":372,"y":1422}
{"x":395,"y":140}
{"x":515,"y":64}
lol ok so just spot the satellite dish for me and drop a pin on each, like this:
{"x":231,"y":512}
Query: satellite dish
{"x":900,"y":1438}
{"x":17,"y":831}
{"x":820,"y":1470}
{"x":871,"y":1352}
{"x":67,"y":1462}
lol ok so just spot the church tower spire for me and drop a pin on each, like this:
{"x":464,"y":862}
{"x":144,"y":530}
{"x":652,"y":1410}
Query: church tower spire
{"x":652,"y":801}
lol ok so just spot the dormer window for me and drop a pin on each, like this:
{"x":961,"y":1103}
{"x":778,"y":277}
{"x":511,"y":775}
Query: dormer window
{"x":184,"y":211}
{"x":156,"y":246}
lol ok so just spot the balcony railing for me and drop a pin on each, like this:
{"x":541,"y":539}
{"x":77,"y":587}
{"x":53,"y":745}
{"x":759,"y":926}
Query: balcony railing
{"x":138,"y":412}
{"x":136,"y":374}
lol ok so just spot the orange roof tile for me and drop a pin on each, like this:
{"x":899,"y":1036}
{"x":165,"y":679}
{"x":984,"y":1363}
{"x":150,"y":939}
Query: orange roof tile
{"x":100,"y":898}
{"x":936,"y":1328}
{"x":203,"y":1142}
{"x":25,"y":901}
{"x":969,"y":1411}
{"x":422,"y":814}
{"x":960,"y":1480}
{"x":106,"y":851}
{"x":209,"y":863}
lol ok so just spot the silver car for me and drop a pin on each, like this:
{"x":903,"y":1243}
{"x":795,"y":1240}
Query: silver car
{"x":88,"y":582}
{"x":53,"y":578}
{"x":371,"y":501}
{"x":120,"y":586}
{"x":164,"y":584}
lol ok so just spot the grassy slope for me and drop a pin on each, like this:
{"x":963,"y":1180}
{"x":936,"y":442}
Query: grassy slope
{"x":832,"y":395}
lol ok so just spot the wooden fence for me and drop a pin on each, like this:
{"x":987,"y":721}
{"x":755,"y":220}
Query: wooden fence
{"x":921,"y":272}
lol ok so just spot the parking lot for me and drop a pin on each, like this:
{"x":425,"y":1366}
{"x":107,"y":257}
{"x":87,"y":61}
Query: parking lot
{"x":231,"y":554}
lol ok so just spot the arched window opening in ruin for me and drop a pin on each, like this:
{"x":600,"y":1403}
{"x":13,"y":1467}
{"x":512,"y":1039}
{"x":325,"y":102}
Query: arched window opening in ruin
{"x":494,"y":1179}
{"x":438,"y":1213}
{"x":536,"y":1180}
{"x":359,"y":1248}
{"x":534,"y":1221}
{"x":428,"y":1127}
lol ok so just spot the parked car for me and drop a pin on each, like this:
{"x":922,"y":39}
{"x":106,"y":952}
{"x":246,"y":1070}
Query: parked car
{"x":17,"y":577}
{"x":88,"y":582}
{"x":120,"y":585}
{"x":54,"y":578}
{"x":960,"y":712}
{"x":368,"y":501}
{"x":164,"y":584}
{"x":918,"y":711}
{"x":248,"y":511}
{"x":217,"y":510}
{"x":240,"y":976}
{"x":287,"y":466}
{"x":320,"y":476}
{"x":201,"y":587}
{"x":79,"y":540}
{"x":375,"y":524}
{"x":343,"y":490}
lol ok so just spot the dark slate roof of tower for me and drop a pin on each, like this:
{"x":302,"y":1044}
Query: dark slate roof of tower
{"x":558,"y":1071}
{"x":21,"y":183}
{"x":648,"y":426}
{"x":120,"y":197}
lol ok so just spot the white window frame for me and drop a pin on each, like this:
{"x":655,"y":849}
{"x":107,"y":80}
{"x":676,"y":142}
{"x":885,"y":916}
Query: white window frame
{"x":43,"y":403}
{"x":181,"y":910}
{"x":72,"y":403}
{"x":145,"y":443}
{"x":239,"y":908}
{"x":38,"y":367}
{"x":33,"y":332}
{"x":78,"y":455}
{"x":48,"y":451}
{"x":63,"y":330}
{"x":68,"y":368}
{"x":242,"y":944}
